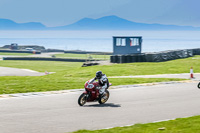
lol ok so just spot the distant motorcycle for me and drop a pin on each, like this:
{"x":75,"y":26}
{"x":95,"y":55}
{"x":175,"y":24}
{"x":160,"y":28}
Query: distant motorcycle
{"x":198,"y":85}
{"x":91,"y":93}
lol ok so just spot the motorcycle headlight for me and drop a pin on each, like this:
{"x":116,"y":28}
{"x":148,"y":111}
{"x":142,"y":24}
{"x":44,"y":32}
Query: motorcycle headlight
{"x":90,"y":86}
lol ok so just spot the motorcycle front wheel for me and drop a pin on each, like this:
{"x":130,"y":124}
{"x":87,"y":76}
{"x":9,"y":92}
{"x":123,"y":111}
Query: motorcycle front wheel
{"x":198,"y":85}
{"x":82,"y":99}
{"x":103,"y":99}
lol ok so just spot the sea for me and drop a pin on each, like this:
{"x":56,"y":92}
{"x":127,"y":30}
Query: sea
{"x":153,"y":41}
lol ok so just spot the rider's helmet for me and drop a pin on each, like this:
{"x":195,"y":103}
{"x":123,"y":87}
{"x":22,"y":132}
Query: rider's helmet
{"x":98,"y":74}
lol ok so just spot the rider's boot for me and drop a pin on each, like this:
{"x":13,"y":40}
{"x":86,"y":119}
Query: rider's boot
{"x":102,"y":95}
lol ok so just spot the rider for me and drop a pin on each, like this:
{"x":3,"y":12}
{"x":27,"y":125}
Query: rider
{"x":103,"y":82}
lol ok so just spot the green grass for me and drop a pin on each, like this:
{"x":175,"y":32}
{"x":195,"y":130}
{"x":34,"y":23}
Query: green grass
{"x":17,"y":54}
{"x":56,"y":82}
{"x":181,"y":125}
{"x":71,"y":75}
{"x":84,"y":56}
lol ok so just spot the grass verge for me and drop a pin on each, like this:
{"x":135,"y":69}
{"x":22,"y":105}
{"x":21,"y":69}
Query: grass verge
{"x":16,"y":84}
{"x":84,"y":56}
{"x":70,"y":75}
{"x":180,"y":125}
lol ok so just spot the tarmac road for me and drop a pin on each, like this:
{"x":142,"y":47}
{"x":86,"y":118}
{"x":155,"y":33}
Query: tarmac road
{"x":8,"y":71}
{"x":60,"y":113}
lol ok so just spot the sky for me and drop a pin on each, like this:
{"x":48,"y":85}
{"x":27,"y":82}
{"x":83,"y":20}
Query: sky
{"x":63,"y":12}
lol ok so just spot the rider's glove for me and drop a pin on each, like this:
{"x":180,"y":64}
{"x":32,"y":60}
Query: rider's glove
{"x":98,"y":87}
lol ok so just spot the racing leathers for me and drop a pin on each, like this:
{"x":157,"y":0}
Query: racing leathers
{"x":103,"y":82}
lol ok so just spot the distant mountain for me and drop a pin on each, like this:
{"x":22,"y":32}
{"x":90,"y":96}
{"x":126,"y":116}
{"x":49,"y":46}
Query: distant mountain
{"x":104,"y":23}
{"x":116,"y":23}
{"x":6,"y":24}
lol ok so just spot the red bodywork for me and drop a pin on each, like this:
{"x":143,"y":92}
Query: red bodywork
{"x":92,"y":90}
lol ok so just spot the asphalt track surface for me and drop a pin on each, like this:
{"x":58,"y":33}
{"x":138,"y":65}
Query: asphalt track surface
{"x":61,"y":113}
{"x":8,"y":71}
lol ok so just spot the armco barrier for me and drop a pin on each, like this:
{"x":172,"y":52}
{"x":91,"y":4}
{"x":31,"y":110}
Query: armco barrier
{"x":44,"y":59}
{"x":156,"y":56}
{"x":19,"y":51}
{"x":52,"y":50}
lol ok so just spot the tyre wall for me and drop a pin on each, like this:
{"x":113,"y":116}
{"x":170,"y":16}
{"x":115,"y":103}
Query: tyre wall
{"x":196,"y":51}
{"x":155,"y":57}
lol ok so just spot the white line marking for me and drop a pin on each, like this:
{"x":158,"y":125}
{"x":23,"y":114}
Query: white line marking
{"x":30,"y":70}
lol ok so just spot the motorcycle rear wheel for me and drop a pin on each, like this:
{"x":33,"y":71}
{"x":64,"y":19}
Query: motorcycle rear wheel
{"x":104,"y":99}
{"x":198,"y":85}
{"x":82,"y":99}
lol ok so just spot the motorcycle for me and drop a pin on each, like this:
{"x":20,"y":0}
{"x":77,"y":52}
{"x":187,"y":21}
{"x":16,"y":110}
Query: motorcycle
{"x":91,"y":93}
{"x":198,"y":85}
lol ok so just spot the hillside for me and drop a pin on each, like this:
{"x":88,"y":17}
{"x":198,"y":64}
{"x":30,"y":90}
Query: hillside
{"x":116,"y":23}
{"x":6,"y":24}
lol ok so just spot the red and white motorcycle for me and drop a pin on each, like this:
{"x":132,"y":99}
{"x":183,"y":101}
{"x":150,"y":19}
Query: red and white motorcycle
{"x":91,"y":93}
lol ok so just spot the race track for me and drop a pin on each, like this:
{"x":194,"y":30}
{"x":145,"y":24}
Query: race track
{"x":60,"y":113}
{"x":8,"y":71}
